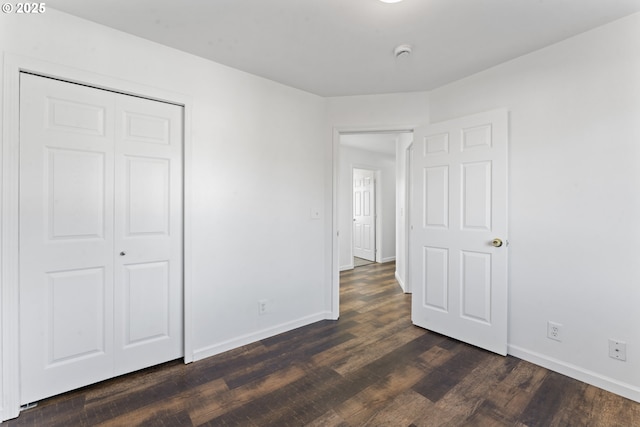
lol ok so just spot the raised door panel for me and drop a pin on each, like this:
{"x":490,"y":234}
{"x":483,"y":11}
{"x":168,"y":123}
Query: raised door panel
{"x":475,"y":286}
{"x":154,"y":129}
{"x":146,"y":301}
{"x":147,"y":196}
{"x":357,"y":202}
{"x":367,"y":243}
{"x":436,"y":197}
{"x":77,"y":117}
{"x":357,"y":236}
{"x":75,"y":194}
{"x":435,"y":278}
{"x":75,"y":331}
{"x":366,"y":197}
{"x":476,"y":137}
{"x":476,"y":196}
{"x":435,"y":145}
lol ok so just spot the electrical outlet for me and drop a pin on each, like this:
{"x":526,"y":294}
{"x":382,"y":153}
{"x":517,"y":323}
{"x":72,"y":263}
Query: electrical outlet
{"x":264,"y":306}
{"x":618,"y":350}
{"x":315,"y":212}
{"x":554,"y":331}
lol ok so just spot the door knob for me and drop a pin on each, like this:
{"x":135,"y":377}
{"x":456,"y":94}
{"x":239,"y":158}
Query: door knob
{"x":123,"y":253}
{"x":496,"y":243}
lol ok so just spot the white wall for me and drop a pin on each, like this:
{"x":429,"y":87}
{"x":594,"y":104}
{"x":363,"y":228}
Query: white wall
{"x":574,"y":201}
{"x":258,"y":168}
{"x":261,"y":160}
{"x":395,"y":111}
{"x":385,"y":202}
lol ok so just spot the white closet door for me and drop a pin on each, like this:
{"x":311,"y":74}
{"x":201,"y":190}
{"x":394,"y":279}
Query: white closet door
{"x":76,"y":291}
{"x":148,"y":233}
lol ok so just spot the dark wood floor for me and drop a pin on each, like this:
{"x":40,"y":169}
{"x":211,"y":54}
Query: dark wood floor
{"x":372,"y":367}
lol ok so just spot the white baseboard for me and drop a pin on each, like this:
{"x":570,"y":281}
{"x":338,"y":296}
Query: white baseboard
{"x":401,"y":282}
{"x":212,"y":350}
{"x":614,"y":386}
{"x":347,"y":267}
{"x":388,"y":259}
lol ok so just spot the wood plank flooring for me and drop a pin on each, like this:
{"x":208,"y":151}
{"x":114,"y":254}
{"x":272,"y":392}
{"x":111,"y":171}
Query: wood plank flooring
{"x":370,"y":368}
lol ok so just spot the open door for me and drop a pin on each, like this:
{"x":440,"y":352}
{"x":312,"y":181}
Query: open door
{"x":458,"y":231}
{"x":364,"y":218}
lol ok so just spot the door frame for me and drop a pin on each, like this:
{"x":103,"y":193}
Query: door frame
{"x":407,"y":217}
{"x":335,"y":231}
{"x":9,"y":204}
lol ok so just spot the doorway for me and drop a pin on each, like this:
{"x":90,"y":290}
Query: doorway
{"x":395,"y":201}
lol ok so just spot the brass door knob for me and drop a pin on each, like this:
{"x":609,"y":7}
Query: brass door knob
{"x":496,"y":243}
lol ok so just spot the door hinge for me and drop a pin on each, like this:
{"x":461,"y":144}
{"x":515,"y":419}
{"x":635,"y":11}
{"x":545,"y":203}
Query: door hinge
{"x":28,"y":406}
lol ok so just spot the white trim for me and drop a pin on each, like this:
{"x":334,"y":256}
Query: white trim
{"x":347,"y":267}
{"x":379,"y":219}
{"x":335,"y":233}
{"x":10,"y":405}
{"x":388,"y":259}
{"x":606,"y":383}
{"x":246,"y":339}
{"x":9,"y":280}
{"x":401,"y":283}
{"x":407,"y":216}
{"x":187,"y":208}
{"x":335,"y":248}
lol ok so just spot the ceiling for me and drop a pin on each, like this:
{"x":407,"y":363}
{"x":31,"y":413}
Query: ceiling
{"x":345,"y":47}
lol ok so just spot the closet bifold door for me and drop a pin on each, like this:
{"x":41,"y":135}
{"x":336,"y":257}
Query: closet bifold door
{"x":100,"y":235}
{"x":148,"y":233}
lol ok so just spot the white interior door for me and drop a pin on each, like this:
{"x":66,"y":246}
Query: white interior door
{"x":459,"y":206}
{"x":364,"y":221}
{"x":89,"y":189}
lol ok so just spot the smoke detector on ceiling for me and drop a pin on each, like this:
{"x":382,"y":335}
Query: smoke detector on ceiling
{"x":402,"y":50}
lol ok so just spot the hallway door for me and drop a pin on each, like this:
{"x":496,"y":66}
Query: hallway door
{"x":364,"y":218}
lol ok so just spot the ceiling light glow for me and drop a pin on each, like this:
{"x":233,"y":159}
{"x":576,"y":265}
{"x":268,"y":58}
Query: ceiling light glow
{"x":390,"y":1}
